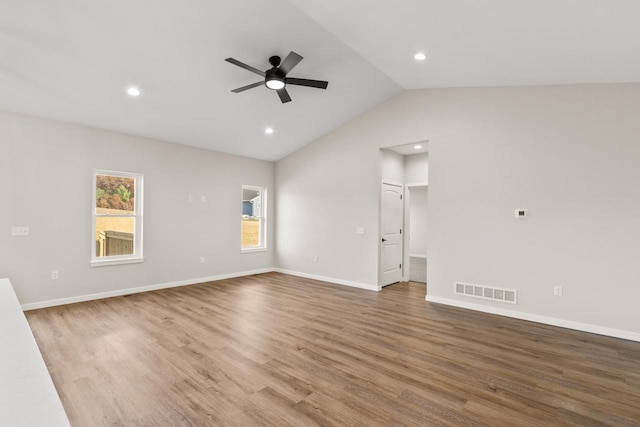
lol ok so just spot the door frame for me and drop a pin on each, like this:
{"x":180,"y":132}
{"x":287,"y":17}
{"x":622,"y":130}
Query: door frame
{"x":402,"y":188}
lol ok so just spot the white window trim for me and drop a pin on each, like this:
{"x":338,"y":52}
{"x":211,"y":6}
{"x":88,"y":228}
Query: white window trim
{"x":263,"y":219}
{"x":254,"y":249}
{"x":136,"y":257}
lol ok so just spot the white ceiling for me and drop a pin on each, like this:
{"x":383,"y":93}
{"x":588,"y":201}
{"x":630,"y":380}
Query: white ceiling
{"x":410,"y":149}
{"x":490,"y":42}
{"x":72,"y":60}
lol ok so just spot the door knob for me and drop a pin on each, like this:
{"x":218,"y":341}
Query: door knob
{"x":384,"y":240}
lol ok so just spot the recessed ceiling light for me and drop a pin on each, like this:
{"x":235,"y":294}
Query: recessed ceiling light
{"x":133,"y":91}
{"x":420,"y":56}
{"x":417,"y":147}
{"x":268,"y":131}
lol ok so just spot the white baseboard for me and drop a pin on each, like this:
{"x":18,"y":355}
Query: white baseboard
{"x":585,"y":327}
{"x":330,"y":280}
{"x":418,"y":256}
{"x":120,"y":292}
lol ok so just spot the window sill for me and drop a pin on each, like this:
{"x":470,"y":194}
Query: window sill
{"x":106,"y":262}
{"x":249,"y":250}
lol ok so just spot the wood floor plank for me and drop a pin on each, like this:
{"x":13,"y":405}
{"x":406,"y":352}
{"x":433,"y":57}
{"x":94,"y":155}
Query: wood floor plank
{"x":279,"y":350}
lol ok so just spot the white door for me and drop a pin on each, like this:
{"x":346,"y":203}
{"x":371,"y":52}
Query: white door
{"x":391,"y":241}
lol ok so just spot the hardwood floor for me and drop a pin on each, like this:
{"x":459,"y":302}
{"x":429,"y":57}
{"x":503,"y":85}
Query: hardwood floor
{"x":279,"y":350}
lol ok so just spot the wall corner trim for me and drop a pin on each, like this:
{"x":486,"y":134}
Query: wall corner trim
{"x":136,"y":290}
{"x":368,"y":287}
{"x":584,"y":327}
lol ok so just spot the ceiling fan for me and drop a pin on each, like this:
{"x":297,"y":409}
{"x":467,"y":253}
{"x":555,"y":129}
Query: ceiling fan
{"x":276,"y":78}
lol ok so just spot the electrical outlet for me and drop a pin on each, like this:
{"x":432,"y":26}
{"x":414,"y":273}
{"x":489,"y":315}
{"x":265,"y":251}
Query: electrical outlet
{"x":315,"y":258}
{"x":22,"y":231}
{"x":521,"y":213}
{"x":557,"y":291}
{"x":55,"y":275}
{"x":202,"y":260}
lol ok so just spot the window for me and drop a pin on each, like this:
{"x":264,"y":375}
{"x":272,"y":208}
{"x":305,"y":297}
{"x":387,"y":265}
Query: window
{"x":254,"y":225}
{"x":117,"y":218}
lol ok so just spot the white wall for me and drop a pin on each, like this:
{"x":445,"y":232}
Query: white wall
{"x":45,"y":183}
{"x":416,"y":169}
{"x":568,"y":153}
{"x":418,"y":221}
{"x":391,"y":167}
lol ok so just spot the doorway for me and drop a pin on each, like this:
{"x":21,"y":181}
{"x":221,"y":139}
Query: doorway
{"x":402,"y":255}
{"x":416,"y":226}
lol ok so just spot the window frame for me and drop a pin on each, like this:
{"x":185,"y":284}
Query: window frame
{"x":138,"y":217}
{"x":262,"y":247}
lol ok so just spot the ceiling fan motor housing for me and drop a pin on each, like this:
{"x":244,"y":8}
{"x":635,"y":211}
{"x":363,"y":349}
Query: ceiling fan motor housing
{"x":272,"y":76}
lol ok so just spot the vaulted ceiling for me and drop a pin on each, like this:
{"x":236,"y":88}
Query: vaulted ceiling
{"x":474,"y":43}
{"x":73,"y":60}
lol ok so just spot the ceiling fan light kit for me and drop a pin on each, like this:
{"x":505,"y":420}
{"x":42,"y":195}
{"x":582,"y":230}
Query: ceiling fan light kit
{"x":276,"y":78}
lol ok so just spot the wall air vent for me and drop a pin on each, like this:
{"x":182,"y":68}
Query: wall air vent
{"x":495,"y":294}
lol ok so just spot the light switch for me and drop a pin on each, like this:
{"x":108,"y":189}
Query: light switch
{"x":20,"y":231}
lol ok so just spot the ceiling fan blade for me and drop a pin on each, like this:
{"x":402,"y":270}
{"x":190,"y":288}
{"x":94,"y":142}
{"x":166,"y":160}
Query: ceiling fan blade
{"x":289,"y":62}
{"x":247,"y":87}
{"x":306,"y":82}
{"x":245,"y":66}
{"x":284,"y":96}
